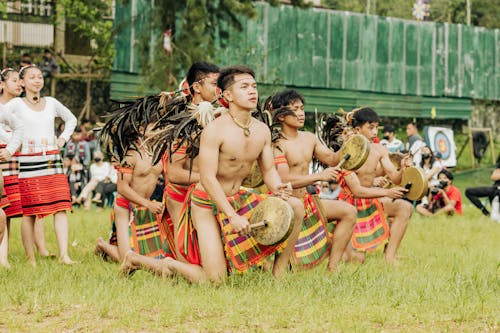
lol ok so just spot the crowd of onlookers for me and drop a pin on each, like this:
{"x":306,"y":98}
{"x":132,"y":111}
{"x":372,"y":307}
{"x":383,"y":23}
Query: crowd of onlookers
{"x":442,"y":197}
{"x":91,"y":179}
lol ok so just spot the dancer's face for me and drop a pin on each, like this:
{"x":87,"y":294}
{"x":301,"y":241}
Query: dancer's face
{"x":243,"y":92}
{"x":368,"y":130}
{"x":33,"y":79}
{"x":206,"y":87}
{"x":299,"y":118}
{"x":12,"y":84}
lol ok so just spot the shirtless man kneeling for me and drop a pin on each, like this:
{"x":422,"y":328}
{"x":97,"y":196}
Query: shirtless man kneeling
{"x":293,"y":152}
{"x":372,"y":230}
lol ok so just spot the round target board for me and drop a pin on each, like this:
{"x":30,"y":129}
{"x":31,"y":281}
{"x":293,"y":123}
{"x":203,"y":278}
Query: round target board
{"x":442,"y":144}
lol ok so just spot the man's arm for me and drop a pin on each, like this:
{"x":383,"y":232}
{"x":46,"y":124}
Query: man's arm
{"x":360,"y":191}
{"x":209,"y":163}
{"x":324,"y":154}
{"x":495,"y":175}
{"x":176,"y":172}
{"x":123,"y":184}
{"x":299,"y":181}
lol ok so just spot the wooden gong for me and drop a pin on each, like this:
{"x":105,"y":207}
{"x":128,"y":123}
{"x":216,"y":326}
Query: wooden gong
{"x":414,"y":180}
{"x":354,"y":152}
{"x":271,"y":221}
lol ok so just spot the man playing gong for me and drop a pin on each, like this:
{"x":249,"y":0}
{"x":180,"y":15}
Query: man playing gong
{"x":218,"y":205}
{"x":372,"y":230}
{"x":294,"y":151}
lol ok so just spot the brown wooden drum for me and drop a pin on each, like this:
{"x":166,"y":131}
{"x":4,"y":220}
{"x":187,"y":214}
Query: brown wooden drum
{"x":254,"y":178}
{"x":414,"y":180}
{"x":354,"y":152}
{"x":271,"y":221}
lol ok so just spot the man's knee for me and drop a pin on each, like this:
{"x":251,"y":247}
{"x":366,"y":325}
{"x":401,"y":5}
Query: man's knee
{"x":297,"y":206}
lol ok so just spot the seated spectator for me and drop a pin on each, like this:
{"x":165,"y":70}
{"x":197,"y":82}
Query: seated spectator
{"x":78,"y":147}
{"x":444,"y":198}
{"x":99,"y":170}
{"x":330,"y":190}
{"x":390,"y":141}
{"x":104,"y":188}
{"x":430,"y":166}
{"x":48,"y":65}
{"x":474,"y":193}
{"x":76,"y":175}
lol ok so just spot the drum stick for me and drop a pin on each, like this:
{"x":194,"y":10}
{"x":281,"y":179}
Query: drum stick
{"x":344,"y":159}
{"x":261,"y":224}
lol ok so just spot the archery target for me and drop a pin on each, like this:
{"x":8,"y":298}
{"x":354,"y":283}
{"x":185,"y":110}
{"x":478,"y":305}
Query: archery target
{"x":440,"y":139}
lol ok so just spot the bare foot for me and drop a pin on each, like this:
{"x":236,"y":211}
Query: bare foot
{"x":128,"y":268}
{"x":5,"y":264}
{"x":353,"y":256}
{"x":66,"y":260}
{"x":32,"y":262}
{"x":393,"y":261}
{"x":166,"y":268}
{"x":99,"y":251}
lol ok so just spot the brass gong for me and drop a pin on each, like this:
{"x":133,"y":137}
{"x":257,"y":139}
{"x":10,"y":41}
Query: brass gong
{"x":271,"y":221}
{"x":354,"y":152}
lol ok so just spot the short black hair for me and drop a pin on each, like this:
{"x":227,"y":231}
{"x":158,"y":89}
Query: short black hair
{"x":227,"y":74}
{"x":389,"y":129}
{"x":47,"y":51}
{"x":285,"y":97}
{"x":364,"y":115}
{"x":198,"y":71}
{"x":413,"y":123}
{"x":445,"y":172}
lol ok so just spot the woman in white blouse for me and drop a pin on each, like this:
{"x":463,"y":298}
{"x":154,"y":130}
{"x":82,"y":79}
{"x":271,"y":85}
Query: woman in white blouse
{"x":43,"y":185}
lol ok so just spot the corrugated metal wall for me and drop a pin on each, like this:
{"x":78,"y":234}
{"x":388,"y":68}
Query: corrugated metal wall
{"x":408,"y":66}
{"x":343,"y":50}
{"x":30,"y":34}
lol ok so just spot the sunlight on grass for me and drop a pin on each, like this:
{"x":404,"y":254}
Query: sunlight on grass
{"x":447,"y":280}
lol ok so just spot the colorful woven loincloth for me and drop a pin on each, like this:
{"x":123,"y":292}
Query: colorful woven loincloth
{"x":371,"y":231}
{"x":242,"y":252}
{"x":315,"y":239}
{"x":149,"y":234}
{"x":43,"y":186}
{"x":175,"y":192}
{"x":10,"y":172}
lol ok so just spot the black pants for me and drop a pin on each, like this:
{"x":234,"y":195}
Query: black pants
{"x":104,"y":189}
{"x":474,"y":193}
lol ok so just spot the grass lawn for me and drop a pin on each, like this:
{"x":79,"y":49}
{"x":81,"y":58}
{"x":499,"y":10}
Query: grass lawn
{"x":447,"y":280}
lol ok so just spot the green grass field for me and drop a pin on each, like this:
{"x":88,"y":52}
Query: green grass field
{"x":447,"y":281}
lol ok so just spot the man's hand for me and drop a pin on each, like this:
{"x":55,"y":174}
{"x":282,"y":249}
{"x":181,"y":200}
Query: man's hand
{"x":380,"y":181}
{"x":60,"y":142}
{"x":5,"y":155}
{"x":155,"y":207}
{"x":396,"y":192}
{"x":329,"y":174}
{"x":284,"y":191}
{"x":406,"y":161}
{"x":239,"y":224}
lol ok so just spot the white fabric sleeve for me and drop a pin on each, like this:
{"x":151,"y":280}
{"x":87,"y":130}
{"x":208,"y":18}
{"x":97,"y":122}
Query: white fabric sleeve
{"x":69,"y":119}
{"x":17,"y":130}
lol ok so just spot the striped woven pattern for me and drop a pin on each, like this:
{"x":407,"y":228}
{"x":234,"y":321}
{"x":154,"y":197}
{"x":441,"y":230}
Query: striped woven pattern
{"x":37,"y":165}
{"x":149,"y":234}
{"x":175,"y":192}
{"x":371,"y":232}
{"x":187,"y":238}
{"x":10,"y":172}
{"x":45,"y":195}
{"x":314,"y":241}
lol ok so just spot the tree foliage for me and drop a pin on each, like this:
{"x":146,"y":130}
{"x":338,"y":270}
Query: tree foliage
{"x":87,"y":17}
{"x":197,"y":34}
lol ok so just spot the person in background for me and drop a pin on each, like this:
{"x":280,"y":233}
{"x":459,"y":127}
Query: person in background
{"x":25,"y":60}
{"x":100,"y":171}
{"x":474,"y":193}
{"x":430,"y":166}
{"x":330,"y":190}
{"x":390,"y":141}
{"x":415,"y":142}
{"x":48,"y":65}
{"x":444,"y":198}
{"x":78,"y":147}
